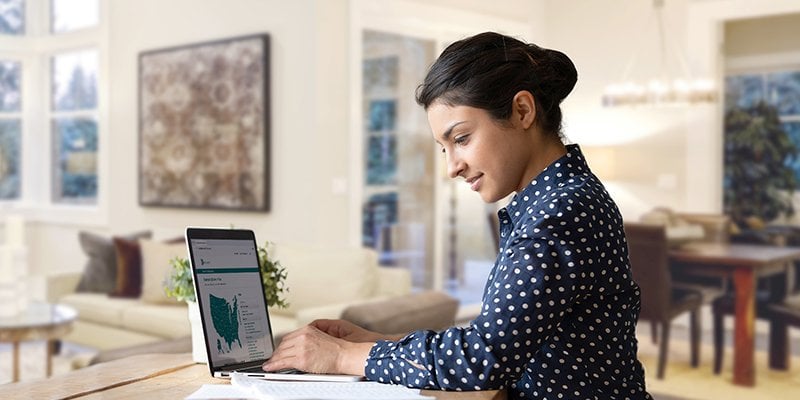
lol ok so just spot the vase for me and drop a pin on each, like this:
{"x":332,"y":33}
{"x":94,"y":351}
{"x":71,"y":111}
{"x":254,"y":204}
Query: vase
{"x":199,"y":354}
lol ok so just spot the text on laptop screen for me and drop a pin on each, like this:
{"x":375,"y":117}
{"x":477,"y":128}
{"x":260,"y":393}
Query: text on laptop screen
{"x":234,"y":313}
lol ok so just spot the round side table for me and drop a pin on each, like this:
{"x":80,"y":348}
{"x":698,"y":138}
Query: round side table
{"x":41,"y":321}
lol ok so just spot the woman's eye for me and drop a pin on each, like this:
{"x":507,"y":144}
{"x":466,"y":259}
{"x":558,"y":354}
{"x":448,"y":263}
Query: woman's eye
{"x":460,"y":139}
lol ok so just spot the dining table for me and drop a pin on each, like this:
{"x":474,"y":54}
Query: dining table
{"x":743,"y":264}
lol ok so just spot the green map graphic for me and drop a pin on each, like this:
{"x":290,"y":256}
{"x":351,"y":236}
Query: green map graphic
{"x":225,"y":318}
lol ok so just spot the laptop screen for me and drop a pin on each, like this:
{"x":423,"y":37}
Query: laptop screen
{"x":231,"y":299}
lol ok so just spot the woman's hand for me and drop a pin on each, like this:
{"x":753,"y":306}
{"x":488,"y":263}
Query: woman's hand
{"x":311,"y":350}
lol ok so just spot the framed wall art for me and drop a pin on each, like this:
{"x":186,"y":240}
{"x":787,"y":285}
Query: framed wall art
{"x":204,"y":125}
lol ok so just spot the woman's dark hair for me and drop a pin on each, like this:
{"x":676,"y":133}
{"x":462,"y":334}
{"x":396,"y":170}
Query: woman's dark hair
{"x":486,"y":71}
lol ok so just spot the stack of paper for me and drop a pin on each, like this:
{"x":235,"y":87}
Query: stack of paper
{"x":251,"y":388}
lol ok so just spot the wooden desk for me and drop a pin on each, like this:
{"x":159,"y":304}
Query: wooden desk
{"x":743,"y":263}
{"x":152,"y":376}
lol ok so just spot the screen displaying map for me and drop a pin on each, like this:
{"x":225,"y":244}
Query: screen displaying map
{"x":225,"y":318}
{"x":233,"y":307}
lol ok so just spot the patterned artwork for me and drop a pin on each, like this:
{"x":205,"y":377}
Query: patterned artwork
{"x":204,"y":128}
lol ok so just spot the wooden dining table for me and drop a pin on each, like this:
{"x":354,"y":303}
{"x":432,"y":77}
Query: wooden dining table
{"x":743,"y":264}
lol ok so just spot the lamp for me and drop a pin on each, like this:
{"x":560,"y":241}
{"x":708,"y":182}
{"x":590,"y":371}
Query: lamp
{"x":666,"y":89}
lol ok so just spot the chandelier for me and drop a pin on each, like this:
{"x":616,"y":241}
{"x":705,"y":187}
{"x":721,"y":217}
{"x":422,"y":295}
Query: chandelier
{"x":669,"y":88}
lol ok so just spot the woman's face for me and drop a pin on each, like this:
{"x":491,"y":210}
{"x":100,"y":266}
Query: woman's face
{"x":491,"y":156}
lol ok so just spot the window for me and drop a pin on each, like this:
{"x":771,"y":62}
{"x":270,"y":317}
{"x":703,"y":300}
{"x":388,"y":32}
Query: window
{"x":71,"y":15}
{"x":10,"y":129}
{"x":780,"y":89}
{"x":51,"y":127}
{"x":762,"y":140}
{"x":74,"y":127}
{"x":12,"y":17}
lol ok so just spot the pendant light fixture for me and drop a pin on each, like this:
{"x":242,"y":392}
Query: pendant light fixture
{"x":669,"y":87}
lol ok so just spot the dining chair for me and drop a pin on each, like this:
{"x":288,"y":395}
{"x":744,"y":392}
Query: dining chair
{"x":782,"y":315}
{"x":716,"y":229}
{"x":661,"y":300}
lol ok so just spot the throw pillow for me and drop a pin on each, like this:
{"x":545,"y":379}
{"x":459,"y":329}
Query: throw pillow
{"x":129,"y":268}
{"x":156,"y":268}
{"x":312,"y":269}
{"x":100,"y":273}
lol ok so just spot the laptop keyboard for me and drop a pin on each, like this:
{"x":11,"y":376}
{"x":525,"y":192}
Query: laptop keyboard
{"x":257,"y":368}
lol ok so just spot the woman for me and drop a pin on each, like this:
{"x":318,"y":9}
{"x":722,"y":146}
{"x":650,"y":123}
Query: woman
{"x":559,"y":310}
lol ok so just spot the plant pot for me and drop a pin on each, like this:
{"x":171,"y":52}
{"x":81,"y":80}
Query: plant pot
{"x":199,"y":354}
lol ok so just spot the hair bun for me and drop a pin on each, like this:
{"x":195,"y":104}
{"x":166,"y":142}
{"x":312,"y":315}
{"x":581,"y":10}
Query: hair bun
{"x":566,"y":74}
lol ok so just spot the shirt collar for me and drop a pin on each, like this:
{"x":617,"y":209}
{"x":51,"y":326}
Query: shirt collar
{"x":570,"y":164}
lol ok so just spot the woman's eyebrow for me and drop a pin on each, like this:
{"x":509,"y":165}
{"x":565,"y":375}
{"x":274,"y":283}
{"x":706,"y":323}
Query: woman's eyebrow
{"x":449,"y":131}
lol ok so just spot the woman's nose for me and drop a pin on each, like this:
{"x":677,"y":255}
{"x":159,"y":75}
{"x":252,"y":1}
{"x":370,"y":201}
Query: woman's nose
{"x":454,"y":166}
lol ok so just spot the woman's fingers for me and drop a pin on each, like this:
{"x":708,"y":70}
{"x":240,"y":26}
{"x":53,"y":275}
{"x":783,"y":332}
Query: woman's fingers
{"x":307,"y":349}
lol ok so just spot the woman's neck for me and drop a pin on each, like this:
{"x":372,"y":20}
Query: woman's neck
{"x":545,"y":152}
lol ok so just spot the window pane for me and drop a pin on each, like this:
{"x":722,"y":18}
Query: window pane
{"x":9,"y":86}
{"x":743,"y":90}
{"x":783,"y":89}
{"x":12,"y":17}
{"x":70,"y":15}
{"x":75,"y":175}
{"x":793,"y":129}
{"x":10,"y":136}
{"x":75,"y":81}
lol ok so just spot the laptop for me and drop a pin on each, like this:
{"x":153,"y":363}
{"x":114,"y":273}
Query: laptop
{"x":233,"y":307}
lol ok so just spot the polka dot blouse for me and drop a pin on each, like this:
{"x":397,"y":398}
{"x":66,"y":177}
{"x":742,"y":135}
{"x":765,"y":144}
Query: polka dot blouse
{"x":559,"y":309}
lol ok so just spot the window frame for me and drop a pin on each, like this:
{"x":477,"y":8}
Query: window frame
{"x":36,"y":49}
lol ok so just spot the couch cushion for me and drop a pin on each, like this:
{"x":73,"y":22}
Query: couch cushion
{"x":156,"y":269}
{"x":322,"y":276}
{"x":98,"y":307}
{"x":159,"y":320}
{"x":424,"y":310}
{"x":100,"y":273}
{"x":129,"y":268}
{"x":281,"y":325}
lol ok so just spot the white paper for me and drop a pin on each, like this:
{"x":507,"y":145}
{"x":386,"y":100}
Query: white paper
{"x":285,"y":390}
{"x":211,"y":392}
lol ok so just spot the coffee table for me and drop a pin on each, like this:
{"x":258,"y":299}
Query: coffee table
{"x":40,"y":321}
{"x":152,"y":376}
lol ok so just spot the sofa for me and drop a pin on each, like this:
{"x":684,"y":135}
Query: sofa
{"x":322,"y":283}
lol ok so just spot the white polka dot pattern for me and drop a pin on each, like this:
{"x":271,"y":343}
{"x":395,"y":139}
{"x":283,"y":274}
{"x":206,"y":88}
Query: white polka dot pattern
{"x":559,"y":309}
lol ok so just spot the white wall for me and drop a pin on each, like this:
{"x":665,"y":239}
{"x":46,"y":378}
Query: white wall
{"x":602,"y":38}
{"x":663,"y":157}
{"x":310,"y":108}
{"x":309,"y":100}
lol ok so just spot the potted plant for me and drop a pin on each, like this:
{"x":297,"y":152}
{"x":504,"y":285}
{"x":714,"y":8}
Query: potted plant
{"x":179,"y":285}
{"x":758,"y":181}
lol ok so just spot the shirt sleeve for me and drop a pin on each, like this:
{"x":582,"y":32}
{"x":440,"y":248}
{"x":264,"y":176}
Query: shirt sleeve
{"x":538,"y":277}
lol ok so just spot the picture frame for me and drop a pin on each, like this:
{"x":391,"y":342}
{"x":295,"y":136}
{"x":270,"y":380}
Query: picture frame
{"x":204,"y":125}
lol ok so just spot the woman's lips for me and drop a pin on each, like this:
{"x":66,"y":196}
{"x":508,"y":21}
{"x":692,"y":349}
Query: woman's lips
{"x":475,"y":183}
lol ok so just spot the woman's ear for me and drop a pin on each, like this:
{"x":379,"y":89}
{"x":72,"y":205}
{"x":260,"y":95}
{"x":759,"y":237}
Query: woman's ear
{"x":523,"y":109}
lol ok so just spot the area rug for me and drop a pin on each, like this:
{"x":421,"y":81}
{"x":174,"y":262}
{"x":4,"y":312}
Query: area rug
{"x":681,"y":381}
{"x":32,"y":364}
